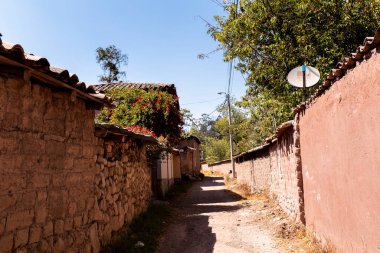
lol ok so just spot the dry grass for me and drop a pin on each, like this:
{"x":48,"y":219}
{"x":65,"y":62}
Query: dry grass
{"x":292,"y":236}
{"x":209,"y":173}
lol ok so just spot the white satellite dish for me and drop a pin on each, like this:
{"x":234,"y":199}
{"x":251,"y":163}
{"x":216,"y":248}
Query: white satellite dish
{"x":295,"y":76}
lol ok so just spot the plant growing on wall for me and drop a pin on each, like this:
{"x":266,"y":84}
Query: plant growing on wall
{"x":145,"y":111}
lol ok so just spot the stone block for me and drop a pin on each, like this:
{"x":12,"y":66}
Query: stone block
{"x":72,"y":208}
{"x":41,"y":197}
{"x":39,"y":180}
{"x":44,"y":246}
{"x":21,"y":237}
{"x":95,"y":243}
{"x":59,"y":227}
{"x":35,"y":234}
{"x":57,"y":202}
{"x":77,"y":221}
{"x":68,"y":224}
{"x":7,"y":201}
{"x":41,"y":214}
{"x":58,"y":179}
{"x":3,"y":221}
{"x":6,"y":242}
{"x":88,"y":151}
{"x":48,"y":229}
{"x":29,"y":199}
{"x":59,"y":245}
{"x":74,"y":150}
{"x":19,"y":219}
{"x":74,"y":179}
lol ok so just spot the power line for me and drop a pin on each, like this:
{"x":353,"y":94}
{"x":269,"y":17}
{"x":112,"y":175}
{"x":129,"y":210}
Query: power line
{"x":204,"y":101}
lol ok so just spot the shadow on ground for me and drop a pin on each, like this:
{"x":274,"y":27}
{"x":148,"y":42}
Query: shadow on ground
{"x":190,"y":231}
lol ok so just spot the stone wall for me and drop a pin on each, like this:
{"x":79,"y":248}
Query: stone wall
{"x":57,"y":194}
{"x":285,"y":173}
{"x":123,"y":184}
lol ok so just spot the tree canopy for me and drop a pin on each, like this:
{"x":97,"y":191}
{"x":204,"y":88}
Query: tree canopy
{"x":111,"y":59}
{"x":269,"y":38}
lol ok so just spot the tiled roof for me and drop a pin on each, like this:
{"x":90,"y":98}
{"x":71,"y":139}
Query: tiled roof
{"x":101,"y":130}
{"x":13,"y":54}
{"x":362,"y":53}
{"x":170,"y":88}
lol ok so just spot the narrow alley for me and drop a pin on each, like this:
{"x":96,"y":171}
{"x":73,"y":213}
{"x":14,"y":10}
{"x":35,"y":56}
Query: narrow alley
{"x":210,"y":218}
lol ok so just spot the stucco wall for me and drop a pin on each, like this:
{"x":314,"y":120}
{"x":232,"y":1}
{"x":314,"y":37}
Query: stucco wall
{"x":53,"y":176}
{"x":340,"y":158}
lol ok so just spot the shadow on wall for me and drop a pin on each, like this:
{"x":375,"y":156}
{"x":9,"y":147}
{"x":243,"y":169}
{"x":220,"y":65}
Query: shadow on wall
{"x":193,"y":232}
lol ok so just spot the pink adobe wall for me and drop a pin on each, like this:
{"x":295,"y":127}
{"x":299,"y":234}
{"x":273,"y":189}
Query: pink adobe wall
{"x":340,"y":153}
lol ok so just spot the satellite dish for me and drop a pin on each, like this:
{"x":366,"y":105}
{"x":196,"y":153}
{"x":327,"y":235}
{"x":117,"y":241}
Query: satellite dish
{"x":295,"y":76}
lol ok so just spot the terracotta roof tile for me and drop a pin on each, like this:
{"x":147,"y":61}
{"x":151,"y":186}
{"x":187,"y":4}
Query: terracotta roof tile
{"x":363,"y":52}
{"x":16,"y":54}
{"x":170,"y":88}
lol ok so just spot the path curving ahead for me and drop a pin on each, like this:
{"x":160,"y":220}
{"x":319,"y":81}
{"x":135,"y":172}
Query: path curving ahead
{"x":214,"y":219}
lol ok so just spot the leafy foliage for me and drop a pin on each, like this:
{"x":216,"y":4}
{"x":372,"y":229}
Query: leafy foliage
{"x":154,"y":110}
{"x":269,"y":38}
{"x":214,"y":133}
{"x":111,"y":59}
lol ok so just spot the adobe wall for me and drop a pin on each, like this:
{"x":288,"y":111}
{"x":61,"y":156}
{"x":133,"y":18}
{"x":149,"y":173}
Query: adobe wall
{"x":285,"y":173}
{"x":221,"y":167}
{"x":56,"y":193}
{"x":340,"y":156}
{"x":255,"y":172}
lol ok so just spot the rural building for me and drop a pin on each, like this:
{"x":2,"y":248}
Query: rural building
{"x":190,"y":155}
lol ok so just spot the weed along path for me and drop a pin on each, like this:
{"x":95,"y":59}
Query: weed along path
{"x":211,"y":218}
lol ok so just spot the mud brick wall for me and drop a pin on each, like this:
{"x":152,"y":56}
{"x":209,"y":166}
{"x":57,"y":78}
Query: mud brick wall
{"x":340,"y":153}
{"x":223,"y":167}
{"x":123,"y":186}
{"x":255,"y":172}
{"x":50,"y":168}
{"x":285,"y":173}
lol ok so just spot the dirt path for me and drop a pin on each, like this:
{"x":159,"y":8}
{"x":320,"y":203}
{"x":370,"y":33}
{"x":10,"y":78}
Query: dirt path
{"x":213,"y":219}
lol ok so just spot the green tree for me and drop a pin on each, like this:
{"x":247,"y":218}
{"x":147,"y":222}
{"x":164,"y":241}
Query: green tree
{"x":111,"y":59}
{"x":269,"y":38}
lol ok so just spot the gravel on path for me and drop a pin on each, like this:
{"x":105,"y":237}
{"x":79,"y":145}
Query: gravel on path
{"x":211,"y":218}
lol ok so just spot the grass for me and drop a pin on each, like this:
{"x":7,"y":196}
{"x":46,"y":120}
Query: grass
{"x":144,"y":228}
{"x":178,"y":189}
{"x":148,"y":227}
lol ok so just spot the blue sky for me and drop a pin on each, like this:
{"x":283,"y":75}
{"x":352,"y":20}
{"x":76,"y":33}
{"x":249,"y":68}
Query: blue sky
{"x":161,"y":38}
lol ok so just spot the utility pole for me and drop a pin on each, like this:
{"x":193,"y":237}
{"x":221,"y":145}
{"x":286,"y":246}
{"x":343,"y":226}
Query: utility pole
{"x":230,"y":132}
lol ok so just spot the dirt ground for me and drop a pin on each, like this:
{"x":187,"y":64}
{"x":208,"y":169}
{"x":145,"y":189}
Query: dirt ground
{"x":211,"y":218}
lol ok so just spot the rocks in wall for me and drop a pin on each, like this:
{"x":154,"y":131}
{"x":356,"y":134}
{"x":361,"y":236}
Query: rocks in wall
{"x":122,"y":184}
